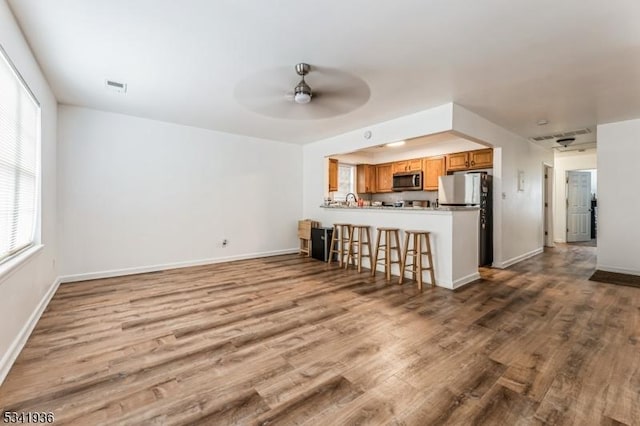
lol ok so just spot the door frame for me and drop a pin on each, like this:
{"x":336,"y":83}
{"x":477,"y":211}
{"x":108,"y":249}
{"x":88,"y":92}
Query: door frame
{"x":547,"y":211}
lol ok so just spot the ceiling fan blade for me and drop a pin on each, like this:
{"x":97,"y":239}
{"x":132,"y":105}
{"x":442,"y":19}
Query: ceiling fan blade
{"x":334,"y":92}
{"x":345,"y":101}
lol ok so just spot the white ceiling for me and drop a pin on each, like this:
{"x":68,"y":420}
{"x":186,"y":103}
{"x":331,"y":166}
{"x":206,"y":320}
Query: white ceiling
{"x":575,"y":63}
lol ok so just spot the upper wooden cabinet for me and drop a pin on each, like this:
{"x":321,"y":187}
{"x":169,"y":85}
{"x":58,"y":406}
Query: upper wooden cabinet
{"x":384,"y":177}
{"x":458,"y":161}
{"x":366,"y":179}
{"x":414,"y":165}
{"x":469,"y":160}
{"x":481,"y":159}
{"x":432,"y":169}
{"x":333,"y":175}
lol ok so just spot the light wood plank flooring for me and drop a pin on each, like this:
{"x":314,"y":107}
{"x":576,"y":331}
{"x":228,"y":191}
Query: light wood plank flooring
{"x":290,"y":340}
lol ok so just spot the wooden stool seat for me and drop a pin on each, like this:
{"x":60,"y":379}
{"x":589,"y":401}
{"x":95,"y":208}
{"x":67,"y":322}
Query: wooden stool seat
{"x":417,"y":252}
{"x":359,"y":239}
{"x":387,"y":250}
{"x":339,"y":242}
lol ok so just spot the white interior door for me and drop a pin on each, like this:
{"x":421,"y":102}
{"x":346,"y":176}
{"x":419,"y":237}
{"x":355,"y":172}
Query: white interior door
{"x":578,"y":206}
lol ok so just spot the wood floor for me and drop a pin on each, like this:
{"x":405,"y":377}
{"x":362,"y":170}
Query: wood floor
{"x":290,"y":340}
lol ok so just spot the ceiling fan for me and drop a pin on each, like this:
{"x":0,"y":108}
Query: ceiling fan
{"x":567,"y":144}
{"x":335,"y":92}
{"x":302,"y":93}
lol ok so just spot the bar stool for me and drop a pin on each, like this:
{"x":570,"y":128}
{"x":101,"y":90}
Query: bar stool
{"x":356,"y":245}
{"x":387,"y":248}
{"x":417,"y":253}
{"x":340,"y":238}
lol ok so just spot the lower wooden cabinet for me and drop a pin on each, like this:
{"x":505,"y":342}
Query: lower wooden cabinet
{"x":333,"y":175}
{"x":432,"y":169}
{"x":384,"y":177}
{"x":366,"y":179}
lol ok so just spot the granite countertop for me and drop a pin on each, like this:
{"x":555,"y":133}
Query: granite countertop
{"x":441,"y":208}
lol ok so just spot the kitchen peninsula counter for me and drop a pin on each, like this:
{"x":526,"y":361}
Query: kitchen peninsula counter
{"x":454,"y":235}
{"x":407,"y":209}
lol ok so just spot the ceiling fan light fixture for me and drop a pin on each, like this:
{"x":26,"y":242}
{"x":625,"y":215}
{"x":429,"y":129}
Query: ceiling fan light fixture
{"x":302,"y":97}
{"x":302,"y":93}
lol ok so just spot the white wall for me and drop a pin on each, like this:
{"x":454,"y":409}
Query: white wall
{"x":619,"y":197}
{"x":137,"y":194}
{"x":518,"y":215}
{"x":24,"y":290}
{"x":562,"y":163}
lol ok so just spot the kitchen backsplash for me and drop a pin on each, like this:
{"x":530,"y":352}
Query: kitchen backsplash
{"x":391,"y":197}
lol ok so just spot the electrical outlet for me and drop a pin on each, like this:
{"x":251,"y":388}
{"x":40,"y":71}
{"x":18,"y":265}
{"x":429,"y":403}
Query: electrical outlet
{"x":225,"y":242}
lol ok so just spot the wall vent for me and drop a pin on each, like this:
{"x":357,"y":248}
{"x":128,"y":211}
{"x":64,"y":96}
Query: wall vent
{"x":116,"y":86}
{"x":561,"y":135}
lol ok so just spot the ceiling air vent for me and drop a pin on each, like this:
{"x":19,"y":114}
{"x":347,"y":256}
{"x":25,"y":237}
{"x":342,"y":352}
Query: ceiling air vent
{"x":115,"y":86}
{"x":561,"y":135}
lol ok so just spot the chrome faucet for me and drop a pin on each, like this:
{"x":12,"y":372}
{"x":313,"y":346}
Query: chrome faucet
{"x":353,"y":199}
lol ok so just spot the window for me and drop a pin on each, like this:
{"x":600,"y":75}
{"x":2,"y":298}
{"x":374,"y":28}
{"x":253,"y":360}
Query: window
{"x":346,"y":181}
{"x":19,"y":143}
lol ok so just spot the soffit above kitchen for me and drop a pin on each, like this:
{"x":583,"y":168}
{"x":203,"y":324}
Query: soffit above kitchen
{"x":575,"y":63}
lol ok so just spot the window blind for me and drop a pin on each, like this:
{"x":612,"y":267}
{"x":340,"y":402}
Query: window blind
{"x":19,"y":135}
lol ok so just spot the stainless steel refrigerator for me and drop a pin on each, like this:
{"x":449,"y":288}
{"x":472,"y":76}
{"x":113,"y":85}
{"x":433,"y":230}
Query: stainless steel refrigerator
{"x":472,"y":189}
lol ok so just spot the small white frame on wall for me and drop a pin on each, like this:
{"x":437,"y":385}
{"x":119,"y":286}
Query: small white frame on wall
{"x":520,"y":180}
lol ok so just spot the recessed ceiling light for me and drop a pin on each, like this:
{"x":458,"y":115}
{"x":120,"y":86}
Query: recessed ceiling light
{"x":394,"y":144}
{"x":543,"y":122}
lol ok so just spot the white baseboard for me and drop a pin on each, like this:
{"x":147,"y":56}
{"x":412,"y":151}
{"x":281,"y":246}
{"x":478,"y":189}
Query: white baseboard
{"x":560,"y":240}
{"x":618,"y":270}
{"x":514,"y":260}
{"x":18,"y":343}
{"x":176,"y":265}
{"x":465,"y":280}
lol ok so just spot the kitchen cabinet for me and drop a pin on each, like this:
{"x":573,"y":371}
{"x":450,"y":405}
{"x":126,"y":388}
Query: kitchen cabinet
{"x":333,"y":175}
{"x":384,"y":177}
{"x":366,"y":179}
{"x":414,"y":165}
{"x":481,"y":159}
{"x":470,"y":160}
{"x":433,"y":168}
{"x":457,"y":161}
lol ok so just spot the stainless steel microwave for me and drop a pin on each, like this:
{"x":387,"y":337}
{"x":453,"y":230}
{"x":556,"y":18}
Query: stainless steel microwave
{"x":407,"y":181}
